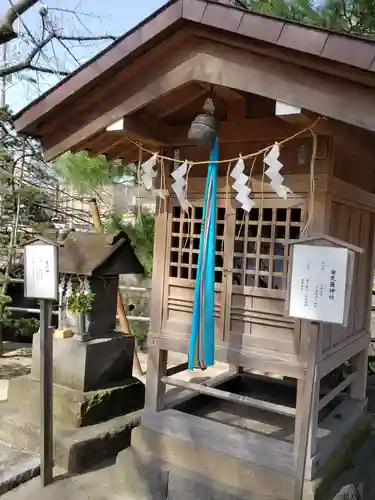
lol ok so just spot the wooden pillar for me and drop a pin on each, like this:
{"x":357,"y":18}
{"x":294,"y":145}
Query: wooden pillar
{"x":360,"y":361}
{"x":359,"y":384}
{"x":157,"y":358}
{"x":302,"y":388}
{"x":307,"y":407}
{"x":156,"y":369}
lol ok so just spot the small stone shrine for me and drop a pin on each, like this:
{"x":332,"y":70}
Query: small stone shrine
{"x":92,"y":369}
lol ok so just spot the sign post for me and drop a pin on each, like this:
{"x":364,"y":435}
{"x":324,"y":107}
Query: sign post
{"x":320,"y":283}
{"x":41,"y":282}
{"x":319,"y":291}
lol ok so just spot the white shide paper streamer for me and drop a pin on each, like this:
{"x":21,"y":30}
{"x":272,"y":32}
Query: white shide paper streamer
{"x":179,"y":186}
{"x":240,"y":186}
{"x":273,"y":172}
{"x":148,"y":175}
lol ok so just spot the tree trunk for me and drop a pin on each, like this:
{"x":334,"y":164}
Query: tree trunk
{"x":7,"y":32}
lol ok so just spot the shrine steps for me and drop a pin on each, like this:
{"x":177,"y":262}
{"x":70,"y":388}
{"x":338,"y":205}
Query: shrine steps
{"x":160,"y":466}
{"x":16,"y":467}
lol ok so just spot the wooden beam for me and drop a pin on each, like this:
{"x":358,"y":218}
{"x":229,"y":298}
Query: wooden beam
{"x":226,"y":66}
{"x":327,"y":95}
{"x":229,"y":396}
{"x":177,"y":369}
{"x":226,"y":93}
{"x":291,"y":114}
{"x":357,"y":141}
{"x":236,"y":110}
{"x":235,"y":100}
{"x":145,"y":129}
{"x":181,"y":74}
{"x":255,"y":130}
{"x":337,"y":390}
{"x":260,"y":130}
{"x":97,"y":68}
{"x":239,"y":131}
{"x":227,"y":440}
{"x":113,"y":145}
{"x":177,"y":100}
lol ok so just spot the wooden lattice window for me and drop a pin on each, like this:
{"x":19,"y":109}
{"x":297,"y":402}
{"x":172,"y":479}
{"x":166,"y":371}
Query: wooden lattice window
{"x":260,"y":253}
{"x":186,"y":230}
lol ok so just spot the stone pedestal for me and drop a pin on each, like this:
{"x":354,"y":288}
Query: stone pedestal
{"x":77,"y":408}
{"x":95,"y":401}
{"x":97,"y":364}
{"x":92,"y":380}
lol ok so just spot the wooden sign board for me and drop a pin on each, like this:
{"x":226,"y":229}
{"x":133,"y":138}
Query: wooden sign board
{"x":41,"y":271}
{"x":320,"y":283}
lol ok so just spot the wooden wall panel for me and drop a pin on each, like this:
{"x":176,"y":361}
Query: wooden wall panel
{"x":254,"y":316}
{"x":355,"y":226}
{"x":353,"y":169}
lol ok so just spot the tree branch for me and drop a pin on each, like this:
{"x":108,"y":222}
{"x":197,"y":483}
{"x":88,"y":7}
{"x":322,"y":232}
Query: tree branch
{"x":49,"y":71}
{"x":17,"y":8}
{"x":86,"y":38}
{"x":27,"y":63}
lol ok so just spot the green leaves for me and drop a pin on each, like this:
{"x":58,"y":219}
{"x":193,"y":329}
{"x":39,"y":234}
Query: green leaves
{"x":85,"y":173}
{"x":141,"y":235}
{"x":80,"y":302}
{"x":356,"y":17}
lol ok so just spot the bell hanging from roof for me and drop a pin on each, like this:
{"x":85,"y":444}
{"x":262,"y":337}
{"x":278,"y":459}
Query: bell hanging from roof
{"x":204,"y":129}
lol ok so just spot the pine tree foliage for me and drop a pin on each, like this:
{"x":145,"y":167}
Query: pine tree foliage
{"x":141,"y":234}
{"x":86,"y":174}
{"x":356,"y":17}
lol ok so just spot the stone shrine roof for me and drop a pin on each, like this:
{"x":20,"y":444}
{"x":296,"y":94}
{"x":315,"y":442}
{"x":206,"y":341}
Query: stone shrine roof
{"x":93,"y":253}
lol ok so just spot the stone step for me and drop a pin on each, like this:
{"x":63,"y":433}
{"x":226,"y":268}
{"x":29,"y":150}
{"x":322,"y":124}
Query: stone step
{"x":76,"y":450}
{"x":78,"y":408}
{"x":147,"y":478}
{"x":16,"y":467}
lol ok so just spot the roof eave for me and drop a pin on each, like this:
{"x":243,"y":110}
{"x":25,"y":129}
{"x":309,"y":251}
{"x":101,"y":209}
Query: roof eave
{"x":26,"y":119}
{"x":316,"y":42}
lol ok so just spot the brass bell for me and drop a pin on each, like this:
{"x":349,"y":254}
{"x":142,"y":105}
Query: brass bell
{"x":204,"y":129}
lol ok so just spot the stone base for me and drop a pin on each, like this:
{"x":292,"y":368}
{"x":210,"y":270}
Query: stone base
{"x":157,"y":463}
{"x":75,"y":450}
{"x":88,"y":366}
{"x":76,"y":408}
{"x":16,"y":467}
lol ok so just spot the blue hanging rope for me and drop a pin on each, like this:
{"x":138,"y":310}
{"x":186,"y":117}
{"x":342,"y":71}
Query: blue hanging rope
{"x":202,"y":339}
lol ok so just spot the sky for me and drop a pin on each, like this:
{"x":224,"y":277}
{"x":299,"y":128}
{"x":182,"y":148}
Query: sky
{"x":93,"y":17}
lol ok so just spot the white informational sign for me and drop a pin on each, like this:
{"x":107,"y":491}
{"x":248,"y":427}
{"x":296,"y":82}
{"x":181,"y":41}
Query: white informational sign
{"x":41,"y":271}
{"x":318,"y":284}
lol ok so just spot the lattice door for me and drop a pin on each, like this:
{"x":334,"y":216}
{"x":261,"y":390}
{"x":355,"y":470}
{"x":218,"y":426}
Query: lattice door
{"x":250,"y":273}
{"x":185,"y":237}
{"x":256,"y":291}
{"x":260,"y":248}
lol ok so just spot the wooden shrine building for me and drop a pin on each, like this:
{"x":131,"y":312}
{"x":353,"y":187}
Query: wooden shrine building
{"x":269,"y":81}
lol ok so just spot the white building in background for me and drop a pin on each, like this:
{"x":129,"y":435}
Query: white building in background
{"x":119,"y":197}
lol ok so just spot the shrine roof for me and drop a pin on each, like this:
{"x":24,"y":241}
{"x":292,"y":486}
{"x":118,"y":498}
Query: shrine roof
{"x":167,"y":62}
{"x":92,"y":253}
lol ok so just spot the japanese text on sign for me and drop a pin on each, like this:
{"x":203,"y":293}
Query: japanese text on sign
{"x":318,"y":283}
{"x":41,"y":276}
